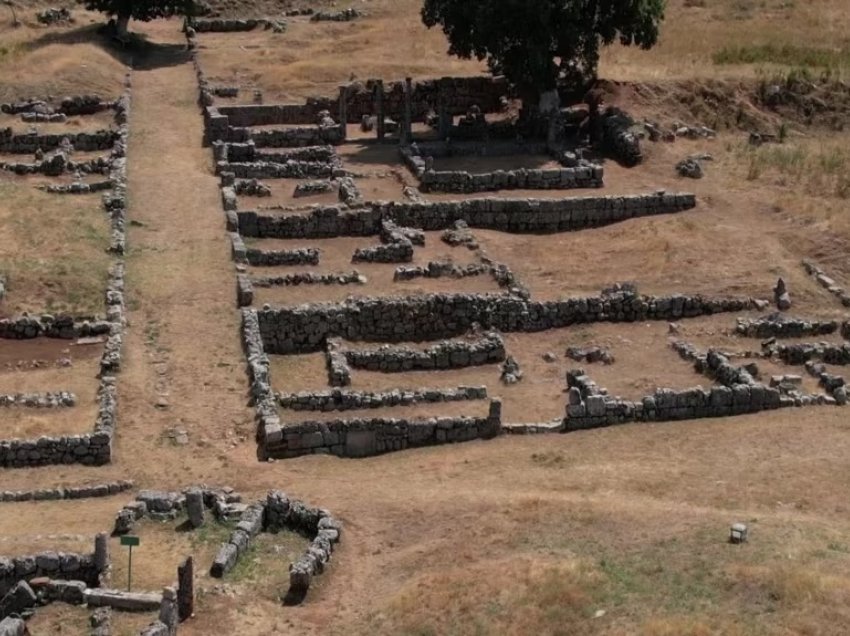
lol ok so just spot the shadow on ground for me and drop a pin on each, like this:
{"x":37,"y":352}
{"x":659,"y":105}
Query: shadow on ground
{"x":137,"y":50}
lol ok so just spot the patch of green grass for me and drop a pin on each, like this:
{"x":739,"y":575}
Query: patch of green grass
{"x":212,"y":531}
{"x":784,"y":55}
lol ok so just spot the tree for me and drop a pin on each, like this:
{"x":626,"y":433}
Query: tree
{"x":144,"y":10}
{"x":534,"y":42}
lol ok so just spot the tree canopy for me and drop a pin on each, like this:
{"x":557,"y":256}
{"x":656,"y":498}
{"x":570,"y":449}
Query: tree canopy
{"x":144,"y":10}
{"x":533,"y":42}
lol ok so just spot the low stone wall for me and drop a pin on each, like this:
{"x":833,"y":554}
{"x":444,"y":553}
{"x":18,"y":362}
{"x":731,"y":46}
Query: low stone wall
{"x":833,"y":384}
{"x":310,"y":278}
{"x":507,"y":215}
{"x":591,"y":407}
{"x":275,"y":258}
{"x":449,"y":354}
{"x":280,"y":512}
{"x":244,"y":291}
{"x":458,"y":181}
{"x":262,"y":397}
{"x":79,"y":187}
{"x":827,"y":282}
{"x":289,"y":170}
{"x":56,"y":164}
{"x":339,"y":373}
{"x":46,"y":400}
{"x":365,"y":437}
{"x":28,"y":143}
{"x":801,"y":353}
{"x":158,"y":505}
{"x":400,"y":252}
{"x":94,"y":448}
{"x":70,"y":492}
{"x":780,"y":326}
{"x":432,"y":317}
{"x":440,"y":269}
{"x":342,"y":400}
{"x":455,"y":94}
{"x":345,"y":15}
{"x":54,"y":565}
{"x":420,"y":160}
{"x":220,"y":25}
{"x":219,"y":127}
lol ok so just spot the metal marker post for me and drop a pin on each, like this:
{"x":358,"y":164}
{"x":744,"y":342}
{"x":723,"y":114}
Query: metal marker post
{"x":130,"y":541}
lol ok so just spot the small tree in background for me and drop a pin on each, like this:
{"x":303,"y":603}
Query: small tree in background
{"x":144,"y":10}
{"x":534,"y":42}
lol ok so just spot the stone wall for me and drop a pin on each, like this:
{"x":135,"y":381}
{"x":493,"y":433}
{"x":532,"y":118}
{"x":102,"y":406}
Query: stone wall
{"x":219,"y":127}
{"x":838,"y":354}
{"x":310,"y":278}
{"x":399,"y":252}
{"x":432,"y":317}
{"x":249,"y":151}
{"x":459,"y":181}
{"x":420,"y":159}
{"x":221,"y":25}
{"x":28,"y":143}
{"x":69,"y":492}
{"x":274,"y":258}
{"x":449,"y":354}
{"x":280,"y":512}
{"x":591,"y":407}
{"x":827,"y":282}
{"x":507,"y":215}
{"x":362,"y":437}
{"x":290,"y":170}
{"x":781,"y":326}
{"x":94,"y":448}
{"x":344,"y":400}
{"x":457,"y":95}
{"x":56,"y":565}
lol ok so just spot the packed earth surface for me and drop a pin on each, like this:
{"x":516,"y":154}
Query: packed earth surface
{"x":292,"y":302}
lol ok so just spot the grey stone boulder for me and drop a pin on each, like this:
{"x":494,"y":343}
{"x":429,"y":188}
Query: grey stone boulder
{"x":18,"y":599}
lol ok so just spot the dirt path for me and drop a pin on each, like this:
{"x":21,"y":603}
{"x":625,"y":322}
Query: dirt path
{"x":184,"y":361}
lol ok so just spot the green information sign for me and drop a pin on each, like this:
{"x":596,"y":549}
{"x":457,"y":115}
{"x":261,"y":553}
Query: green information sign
{"x":130,"y":541}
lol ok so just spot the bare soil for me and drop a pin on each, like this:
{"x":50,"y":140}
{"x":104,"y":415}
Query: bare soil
{"x":612,"y":531}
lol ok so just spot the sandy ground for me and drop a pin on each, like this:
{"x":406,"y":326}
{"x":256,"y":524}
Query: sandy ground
{"x":611,"y":531}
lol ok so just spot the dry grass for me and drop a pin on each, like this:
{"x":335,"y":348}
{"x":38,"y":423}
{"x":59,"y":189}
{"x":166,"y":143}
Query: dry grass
{"x":37,"y":61}
{"x":691,"y":37}
{"x":514,"y":535}
{"x":54,"y":250}
{"x":314,"y":59}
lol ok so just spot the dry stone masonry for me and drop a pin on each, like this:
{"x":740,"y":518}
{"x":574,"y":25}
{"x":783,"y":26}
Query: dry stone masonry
{"x":69,"y":492}
{"x":448,"y":354}
{"x":506,"y":215}
{"x":781,"y":326}
{"x":94,"y":448}
{"x":343,"y":400}
{"x":305,"y":328}
{"x":827,"y":282}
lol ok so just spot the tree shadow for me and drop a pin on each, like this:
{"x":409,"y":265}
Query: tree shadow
{"x":136,"y":51}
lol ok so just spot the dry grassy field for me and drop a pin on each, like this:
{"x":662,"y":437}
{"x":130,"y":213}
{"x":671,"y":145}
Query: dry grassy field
{"x":619,"y":530}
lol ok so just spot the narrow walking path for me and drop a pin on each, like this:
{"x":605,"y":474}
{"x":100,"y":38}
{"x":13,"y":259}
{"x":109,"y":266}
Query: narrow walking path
{"x":182,"y":408}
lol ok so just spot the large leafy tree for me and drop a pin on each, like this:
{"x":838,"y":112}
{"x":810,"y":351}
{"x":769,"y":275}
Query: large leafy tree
{"x":144,"y":10}
{"x":534,"y":42}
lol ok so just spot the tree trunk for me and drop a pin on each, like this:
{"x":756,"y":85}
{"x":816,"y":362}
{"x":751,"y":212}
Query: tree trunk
{"x":121,"y":26}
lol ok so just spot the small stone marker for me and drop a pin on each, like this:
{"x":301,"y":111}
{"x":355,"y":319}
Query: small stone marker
{"x":738,"y":533}
{"x":195,"y":507}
